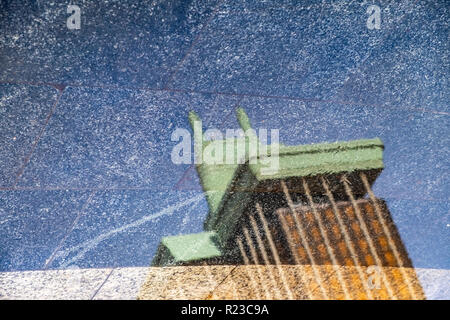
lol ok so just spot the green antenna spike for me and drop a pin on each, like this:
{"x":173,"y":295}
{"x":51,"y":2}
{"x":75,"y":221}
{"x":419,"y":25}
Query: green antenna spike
{"x":243,"y":119}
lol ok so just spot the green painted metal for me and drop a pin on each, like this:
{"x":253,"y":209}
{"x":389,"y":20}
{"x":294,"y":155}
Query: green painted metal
{"x":301,"y":161}
{"x":186,"y":248}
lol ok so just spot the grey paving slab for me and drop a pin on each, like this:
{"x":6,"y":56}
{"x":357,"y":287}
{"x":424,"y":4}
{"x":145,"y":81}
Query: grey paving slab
{"x":302,"y":49}
{"x":123,"y":284}
{"x":111,"y":138}
{"x":33,"y":223}
{"x":435,"y":283}
{"x":130,"y":43}
{"x":122,"y":228}
{"x":423,"y":226}
{"x":70,"y":284}
{"x":411,"y":68}
{"x":23,"y":113}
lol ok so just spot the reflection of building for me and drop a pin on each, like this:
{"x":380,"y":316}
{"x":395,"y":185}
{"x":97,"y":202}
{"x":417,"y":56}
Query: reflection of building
{"x":350,"y":224}
{"x":309,"y":223}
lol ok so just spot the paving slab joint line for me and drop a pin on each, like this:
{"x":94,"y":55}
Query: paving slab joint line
{"x":102,"y":284}
{"x":38,"y":138}
{"x":74,"y":223}
{"x":211,"y":293}
{"x":194,"y":43}
{"x":241,"y":95}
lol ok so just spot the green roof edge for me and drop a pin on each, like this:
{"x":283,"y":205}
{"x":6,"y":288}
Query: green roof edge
{"x":178,"y":249}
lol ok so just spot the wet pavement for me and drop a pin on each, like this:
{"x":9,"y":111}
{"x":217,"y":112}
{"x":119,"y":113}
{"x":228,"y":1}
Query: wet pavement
{"x":86,"y":115}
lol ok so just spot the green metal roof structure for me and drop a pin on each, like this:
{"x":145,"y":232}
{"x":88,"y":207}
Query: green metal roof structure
{"x":190,"y":247}
{"x":230,"y":187}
